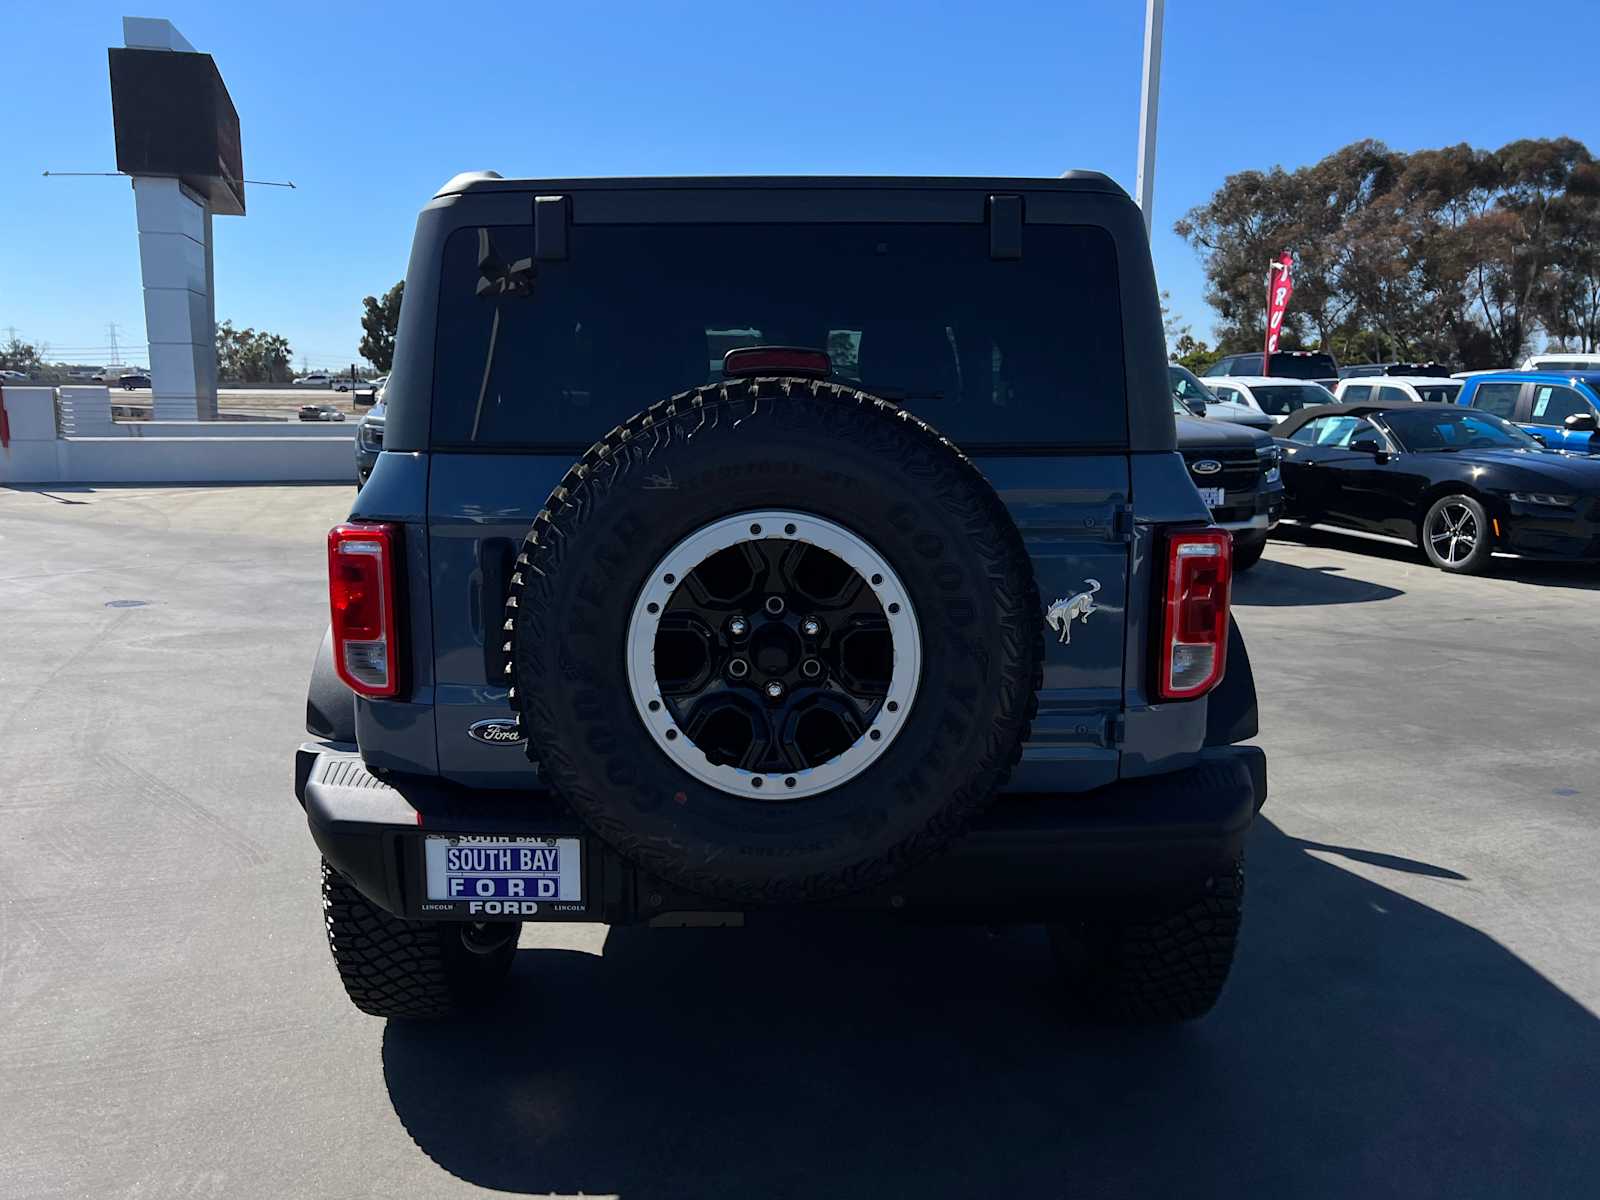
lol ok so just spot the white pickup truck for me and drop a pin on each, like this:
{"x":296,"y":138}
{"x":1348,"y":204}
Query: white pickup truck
{"x":337,"y":383}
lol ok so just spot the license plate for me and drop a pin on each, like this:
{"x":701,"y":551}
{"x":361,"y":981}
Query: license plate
{"x":495,"y":875}
{"x":1213,"y":497}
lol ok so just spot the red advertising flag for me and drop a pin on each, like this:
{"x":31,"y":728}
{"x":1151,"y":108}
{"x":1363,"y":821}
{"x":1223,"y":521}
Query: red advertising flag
{"x":1280,"y":286}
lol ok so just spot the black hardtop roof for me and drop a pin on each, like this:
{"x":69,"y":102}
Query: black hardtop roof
{"x":1069,"y":181}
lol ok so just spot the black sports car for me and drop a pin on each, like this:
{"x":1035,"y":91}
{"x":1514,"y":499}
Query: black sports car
{"x":1460,"y":482}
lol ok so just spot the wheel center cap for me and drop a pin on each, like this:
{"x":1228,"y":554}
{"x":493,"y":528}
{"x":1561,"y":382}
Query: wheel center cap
{"x":775,"y":649}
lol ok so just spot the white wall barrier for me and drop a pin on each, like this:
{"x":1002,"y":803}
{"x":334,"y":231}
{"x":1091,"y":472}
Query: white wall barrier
{"x":163,"y":451}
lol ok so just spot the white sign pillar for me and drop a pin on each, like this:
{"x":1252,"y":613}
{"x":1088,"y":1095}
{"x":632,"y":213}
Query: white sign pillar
{"x":176,"y":266}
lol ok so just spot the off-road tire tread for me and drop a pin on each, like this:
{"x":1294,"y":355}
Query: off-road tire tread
{"x":1155,"y":970}
{"x":626,"y":451}
{"x":396,"y":968}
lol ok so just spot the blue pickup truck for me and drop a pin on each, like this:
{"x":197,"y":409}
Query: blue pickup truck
{"x":1563,"y":411}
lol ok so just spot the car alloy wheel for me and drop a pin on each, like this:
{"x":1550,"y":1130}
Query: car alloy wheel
{"x":1457,"y":536}
{"x":1453,"y":532}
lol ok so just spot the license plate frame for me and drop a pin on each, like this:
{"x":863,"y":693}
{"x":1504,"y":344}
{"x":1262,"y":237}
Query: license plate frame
{"x":482,"y":877}
{"x":1213,"y":497}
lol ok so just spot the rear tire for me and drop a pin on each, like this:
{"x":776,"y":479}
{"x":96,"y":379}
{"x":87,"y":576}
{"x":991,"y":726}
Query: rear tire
{"x":417,"y":970}
{"x":1154,"y":970}
{"x":1247,"y":553}
{"x":1456,"y":535}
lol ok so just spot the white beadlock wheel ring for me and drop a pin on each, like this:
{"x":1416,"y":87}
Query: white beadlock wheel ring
{"x":769,"y":524}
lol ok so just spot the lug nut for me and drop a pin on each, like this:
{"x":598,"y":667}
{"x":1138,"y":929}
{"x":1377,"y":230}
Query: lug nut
{"x":774,"y":690}
{"x":811,"y":627}
{"x":774,"y":606}
{"x":738,"y":627}
{"x":811,"y":668}
{"x":738,"y":668}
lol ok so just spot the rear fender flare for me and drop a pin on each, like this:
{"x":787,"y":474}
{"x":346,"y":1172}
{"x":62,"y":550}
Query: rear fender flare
{"x":1231,"y":712}
{"x":330,"y":705}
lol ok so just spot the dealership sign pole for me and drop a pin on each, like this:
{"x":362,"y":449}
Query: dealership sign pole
{"x":1280,"y":286}
{"x":177,"y":135}
{"x":1145,"y":184}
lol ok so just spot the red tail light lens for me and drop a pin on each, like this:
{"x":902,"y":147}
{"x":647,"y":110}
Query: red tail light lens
{"x":361,"y":591}
{"x":1194,"y":629}
{"x":776,"y":360}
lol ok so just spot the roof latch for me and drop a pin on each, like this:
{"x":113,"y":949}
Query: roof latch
{"x":1005,"y":227}
{"x":549,"y":228}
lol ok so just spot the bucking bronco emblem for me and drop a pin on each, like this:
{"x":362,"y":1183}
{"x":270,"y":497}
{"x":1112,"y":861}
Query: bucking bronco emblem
{"x":1060,"y":615}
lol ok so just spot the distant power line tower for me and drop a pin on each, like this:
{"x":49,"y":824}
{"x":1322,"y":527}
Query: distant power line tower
{"x":116,"y":352}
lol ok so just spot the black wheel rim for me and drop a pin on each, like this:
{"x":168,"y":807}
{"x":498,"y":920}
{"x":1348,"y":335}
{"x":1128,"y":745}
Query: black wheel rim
{"x":782,"y":654}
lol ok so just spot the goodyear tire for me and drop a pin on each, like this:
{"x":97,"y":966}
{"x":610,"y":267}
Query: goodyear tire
{"x":723,"y":518}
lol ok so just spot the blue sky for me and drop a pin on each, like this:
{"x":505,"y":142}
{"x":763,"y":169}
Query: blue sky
{"x":368,"y":108}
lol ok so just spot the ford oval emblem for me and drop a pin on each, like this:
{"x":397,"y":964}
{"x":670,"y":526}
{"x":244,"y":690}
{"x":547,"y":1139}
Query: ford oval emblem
{"x":1206,"y":466}
{"x":497,"y":731}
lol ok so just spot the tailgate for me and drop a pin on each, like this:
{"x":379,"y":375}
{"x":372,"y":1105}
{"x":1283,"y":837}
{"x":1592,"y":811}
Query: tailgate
{"x":1074,"y":517}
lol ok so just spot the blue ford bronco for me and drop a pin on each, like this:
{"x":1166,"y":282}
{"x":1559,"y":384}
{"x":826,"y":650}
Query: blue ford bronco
{"x":748,"y":548}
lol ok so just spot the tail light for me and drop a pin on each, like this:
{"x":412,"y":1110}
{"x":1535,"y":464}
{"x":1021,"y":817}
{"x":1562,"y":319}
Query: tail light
{"x":1194,"y":626}
{"x":361,"y":591}
{"x":776,"y":360}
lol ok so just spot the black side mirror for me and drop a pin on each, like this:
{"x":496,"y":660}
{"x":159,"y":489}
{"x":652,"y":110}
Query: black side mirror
{"x":1198,"y":407}
{"x":1366,"y":444}
{"x":1581,"y":423}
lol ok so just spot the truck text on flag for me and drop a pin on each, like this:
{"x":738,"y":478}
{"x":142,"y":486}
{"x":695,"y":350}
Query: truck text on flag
{"x":1280,"y":286}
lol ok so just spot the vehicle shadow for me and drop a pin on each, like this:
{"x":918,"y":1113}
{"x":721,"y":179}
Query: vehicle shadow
{"x":1367,"y":1044}
{"x":1275,"y":584}
{"x":1581,"y":575}
{"x":1351,"y":543}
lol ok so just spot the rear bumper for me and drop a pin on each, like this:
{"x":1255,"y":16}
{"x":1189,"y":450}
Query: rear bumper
{"x":1029,"y":857}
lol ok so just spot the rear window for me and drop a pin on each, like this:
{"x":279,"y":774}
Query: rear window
{"x":997,"y":352}
{"x":1303,"y":366}
{"x":1236,"y":364}
{"x":1566,"y":364}
{"x":1279,"y":400}
{"x":1438,"y":393}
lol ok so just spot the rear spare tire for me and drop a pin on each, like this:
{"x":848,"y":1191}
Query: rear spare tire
{"x":774,"y":641}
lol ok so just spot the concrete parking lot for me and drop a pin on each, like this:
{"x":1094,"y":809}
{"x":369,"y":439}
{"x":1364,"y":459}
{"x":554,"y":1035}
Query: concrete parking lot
{"x":1414,"y":1012}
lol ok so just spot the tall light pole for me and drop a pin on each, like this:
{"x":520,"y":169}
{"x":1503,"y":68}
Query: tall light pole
{"x":1145,"y":185}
